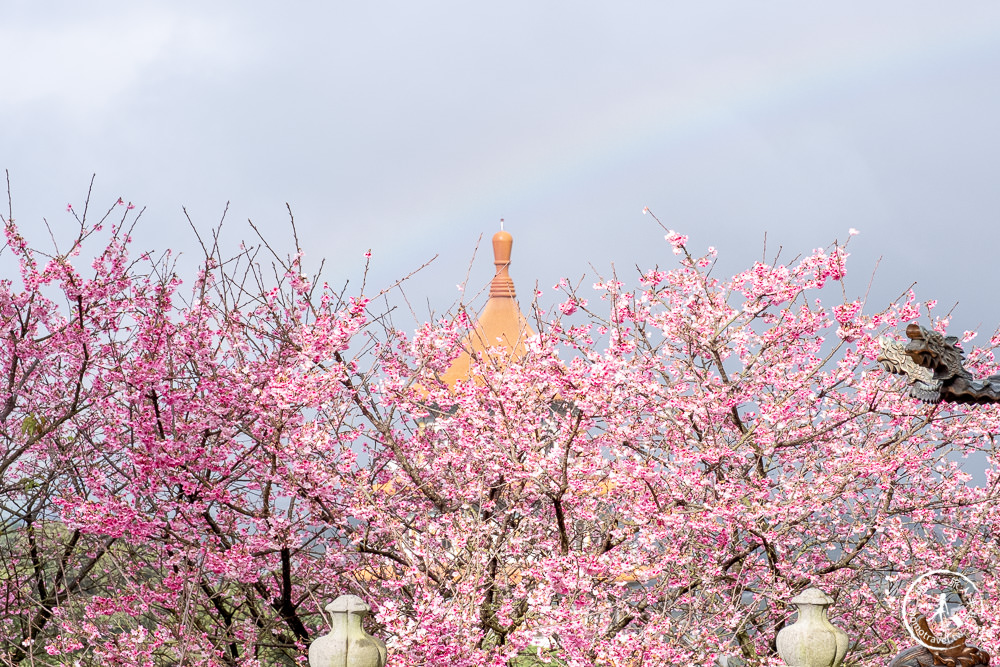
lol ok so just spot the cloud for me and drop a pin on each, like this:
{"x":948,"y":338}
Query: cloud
{"x":82,"y":65}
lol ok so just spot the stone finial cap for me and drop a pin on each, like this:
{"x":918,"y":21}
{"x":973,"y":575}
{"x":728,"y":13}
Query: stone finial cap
{"x":812,"y":596}
{"x":348,"y":604}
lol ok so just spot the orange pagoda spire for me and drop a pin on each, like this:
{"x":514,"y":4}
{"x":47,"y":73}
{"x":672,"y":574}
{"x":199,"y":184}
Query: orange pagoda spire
{"x":501,"y":323}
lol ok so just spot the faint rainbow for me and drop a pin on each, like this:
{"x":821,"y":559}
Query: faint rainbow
{"x":654,"y":120}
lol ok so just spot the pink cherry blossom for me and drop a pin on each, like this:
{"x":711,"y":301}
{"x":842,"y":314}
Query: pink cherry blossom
{"x":192,"y":470}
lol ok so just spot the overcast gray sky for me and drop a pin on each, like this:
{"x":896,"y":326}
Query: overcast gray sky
{"x":412,"y":127}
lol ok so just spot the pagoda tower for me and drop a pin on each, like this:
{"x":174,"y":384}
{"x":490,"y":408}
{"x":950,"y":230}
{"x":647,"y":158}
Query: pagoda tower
{"x":501,"y":325}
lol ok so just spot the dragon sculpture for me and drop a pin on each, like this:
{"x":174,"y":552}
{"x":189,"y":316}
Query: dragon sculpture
{"x":933,"y":365}
{"x":944,"y":654}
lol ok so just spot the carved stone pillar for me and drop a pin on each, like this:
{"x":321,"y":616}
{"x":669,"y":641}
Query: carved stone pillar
{"x":812,"y":641}
{"x":347,"y":644}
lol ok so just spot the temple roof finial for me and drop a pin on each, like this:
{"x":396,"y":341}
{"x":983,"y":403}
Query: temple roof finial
{"x":501,"y":323}
{"x":502,"y":285}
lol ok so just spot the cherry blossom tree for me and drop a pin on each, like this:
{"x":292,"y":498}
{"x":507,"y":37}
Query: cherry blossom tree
{"x":190,"y":472}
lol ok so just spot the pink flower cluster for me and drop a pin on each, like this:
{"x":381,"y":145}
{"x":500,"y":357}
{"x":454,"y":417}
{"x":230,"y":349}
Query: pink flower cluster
{"x":191,"y":473}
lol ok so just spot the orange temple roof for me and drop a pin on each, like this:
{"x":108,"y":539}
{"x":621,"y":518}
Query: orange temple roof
{"x":500,"y":325}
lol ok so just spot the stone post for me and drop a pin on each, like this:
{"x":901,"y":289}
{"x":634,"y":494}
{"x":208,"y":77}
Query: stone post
{"x":812,"y":641}
{"x":347,"y":644}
